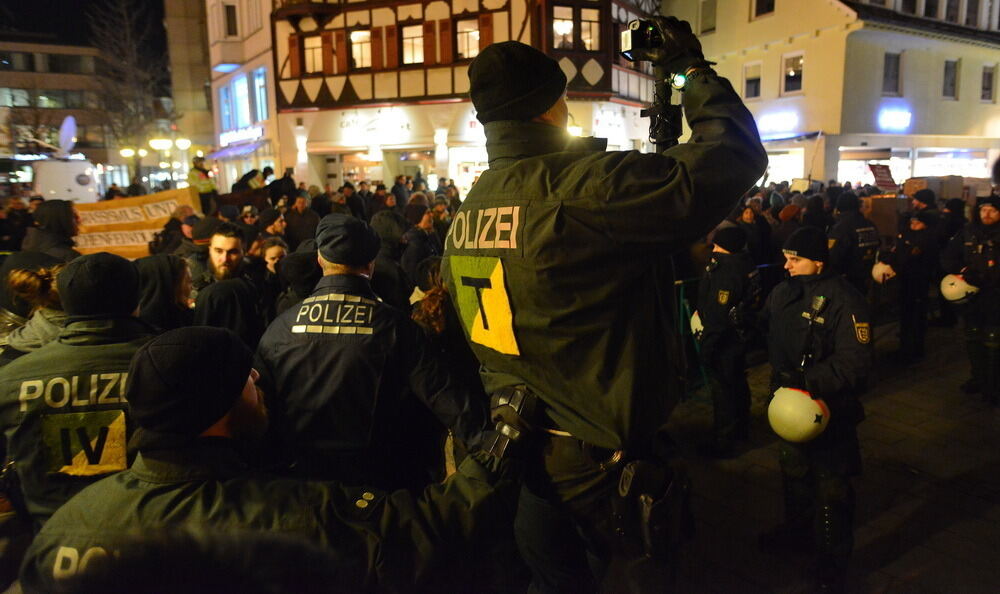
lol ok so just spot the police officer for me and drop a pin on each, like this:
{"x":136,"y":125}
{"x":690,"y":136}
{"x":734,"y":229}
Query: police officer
{"x":63,"y":407}
{"x":974,"y":253}
{"x":914,"y":259}
{"x":853,"y":242}
{"x":202,"y":181}
{"x":556,"y":262}
{"x":351,"y":381}
{"x":728,"y":294}
{"x":819,"y":341}
{"x":193,"y":397}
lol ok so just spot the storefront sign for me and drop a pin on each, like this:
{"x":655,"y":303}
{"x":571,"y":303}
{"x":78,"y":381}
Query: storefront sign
{"x":126,"y":226}
{"x":241,"y":135}
{"x":883,"y":177}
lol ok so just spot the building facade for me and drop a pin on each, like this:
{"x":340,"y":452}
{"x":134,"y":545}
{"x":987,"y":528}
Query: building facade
{"x":42,"y":82}
{"x":242,"y":88}
{"x":371,"y":90}
{"x":837,"y":85}
{"x":190,"y":82}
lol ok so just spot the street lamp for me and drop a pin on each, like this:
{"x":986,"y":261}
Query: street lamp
{"x":161,"y":144}
{"x":143,"y":152}
{"x":127,"y":153}
{"x":182,"y":143}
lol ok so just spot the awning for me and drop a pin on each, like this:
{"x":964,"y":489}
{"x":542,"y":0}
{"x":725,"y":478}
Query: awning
{"x":784,"y":137}
{"x":236,"y":150}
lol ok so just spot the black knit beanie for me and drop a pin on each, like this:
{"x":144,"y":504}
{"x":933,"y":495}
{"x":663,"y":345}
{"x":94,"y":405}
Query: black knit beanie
{"x":731,"y":239}
{"x":100,"y":285}
{"x":267,"y":218}
{"x":184,"y":380}
{"x":926,"y":196}
{"x":514,"y":81}
{"x":848,"y":201}
{"x":807,"y":242}
{"x":343,"y":239}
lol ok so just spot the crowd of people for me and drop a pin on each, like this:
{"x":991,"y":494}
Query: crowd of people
{"x":391,"y":389}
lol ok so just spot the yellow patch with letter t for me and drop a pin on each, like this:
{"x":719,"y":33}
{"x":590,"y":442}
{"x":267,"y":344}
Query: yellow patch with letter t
{"x":482,"y":302}
{"x":723,"y":297}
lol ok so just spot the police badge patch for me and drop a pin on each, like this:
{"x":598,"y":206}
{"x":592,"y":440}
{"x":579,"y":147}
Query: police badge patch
{"x":863,"y":332}
{"x":830,"y":243}
{"x":723,"y":297}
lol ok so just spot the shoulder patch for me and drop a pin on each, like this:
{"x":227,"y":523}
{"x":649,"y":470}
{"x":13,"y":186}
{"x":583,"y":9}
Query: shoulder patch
{"x":862,"y":330}
{"x":830,"y":243}
{"x":723,"y":297}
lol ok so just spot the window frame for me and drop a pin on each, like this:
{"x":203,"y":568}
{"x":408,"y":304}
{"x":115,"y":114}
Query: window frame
{"x":992,"y":70}
{"x":239,"y":82}
{"x":225,"y":108}
{"x":755,"y":9}
{"x":760,"y":79}
{"x":351,"y":65}
{"x":701,"y":16}
{"x":226,"y":21}
{"x":899,"y":74}
{"x":802,"y":77}
{"x":578,"y":26}
{"x":260,"y":94}
{"x":316,"y":52}
{"x":572,"y":32}
{"x":418,"y":47}
{"x":957,"y":82}
{"x":30,"y":62}
{"x":458,"y":54}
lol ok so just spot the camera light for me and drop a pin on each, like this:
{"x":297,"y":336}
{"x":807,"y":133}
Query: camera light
{"x":678,"y":81}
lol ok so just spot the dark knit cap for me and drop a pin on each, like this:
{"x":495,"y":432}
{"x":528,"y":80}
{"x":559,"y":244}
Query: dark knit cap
{"x":204,"y":229}
{"x":229,"y":212}
{"x":848,"y":201}
{"x":343,"y":239}
{"x":184,"y":380}
{"x":99,"y":285}
{"x":267,"y":218}
{"x":414,"y":212}
{"x":731,"y":239}
{"x":991,"y":200}
{"x":807,"y":242}
{"x":926,"y":196}
{"x":300,"y":271}
{"x":191,"y":221}
{"x":390,"y":226}
{"x":514,"y":81}
{"x":955,"y":205}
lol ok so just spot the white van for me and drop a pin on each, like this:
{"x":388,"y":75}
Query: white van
{"x":65,"y":179}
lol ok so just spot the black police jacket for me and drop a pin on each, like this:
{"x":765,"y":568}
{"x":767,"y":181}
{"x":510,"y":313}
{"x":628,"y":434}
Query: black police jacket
{"x":914,"y":257}
{"x":974,"y":253}
{"x":853,"y":243}
{"x":556,"y":261}
{"x":728,"y":294}
{"x":840,"y":342}
{"x":342,"y":371}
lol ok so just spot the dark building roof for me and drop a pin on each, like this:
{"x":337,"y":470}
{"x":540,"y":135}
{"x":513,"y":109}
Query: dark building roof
{"x":879,"y":14}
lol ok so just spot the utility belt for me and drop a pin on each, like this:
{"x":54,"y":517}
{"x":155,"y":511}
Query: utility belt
{"x":649,"y":512}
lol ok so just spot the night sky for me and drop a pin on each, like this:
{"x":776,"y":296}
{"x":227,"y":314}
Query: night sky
{"x":66,"y":19}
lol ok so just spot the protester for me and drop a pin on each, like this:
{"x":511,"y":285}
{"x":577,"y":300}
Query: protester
{"x":300,"y":222}
{"x":164,"y":290}
{"x":56,"y":223}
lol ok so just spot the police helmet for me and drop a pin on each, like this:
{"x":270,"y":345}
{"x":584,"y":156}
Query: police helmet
{"x":795,"y":416}
{"x":696,"y":326}
{"x":882,"y":272}
{"x":955,"y":289}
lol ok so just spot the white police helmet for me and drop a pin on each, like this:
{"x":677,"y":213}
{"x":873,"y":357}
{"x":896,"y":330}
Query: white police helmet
{"x":882,"y":272}
{"x":696,"y":326}
{"x":955,"y":289}
{"x":795,"y":416}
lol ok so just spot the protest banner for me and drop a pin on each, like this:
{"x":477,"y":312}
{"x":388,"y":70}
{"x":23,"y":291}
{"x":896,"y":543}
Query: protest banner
{"x":125,"y":226}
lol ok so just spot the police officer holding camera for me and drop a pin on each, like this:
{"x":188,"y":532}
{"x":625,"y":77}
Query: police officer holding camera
{"x":556,"y":262}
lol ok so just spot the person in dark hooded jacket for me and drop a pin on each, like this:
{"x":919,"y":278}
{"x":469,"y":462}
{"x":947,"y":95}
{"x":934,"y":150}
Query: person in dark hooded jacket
{"x":299,"y":272}
{"x":231,"y":304}
{"x":389,"y":280}
{"x":164,"y":284}
{"x":853,"y":242}
{"x":56,"y":224}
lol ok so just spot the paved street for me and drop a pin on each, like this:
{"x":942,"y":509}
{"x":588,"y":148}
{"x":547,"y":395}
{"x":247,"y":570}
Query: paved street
{"x":928,"y":502}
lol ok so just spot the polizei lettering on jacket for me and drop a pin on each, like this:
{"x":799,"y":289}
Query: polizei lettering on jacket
{"x":75,"y":390}
{"x":494,"y":228}
{"x":334,"y":314}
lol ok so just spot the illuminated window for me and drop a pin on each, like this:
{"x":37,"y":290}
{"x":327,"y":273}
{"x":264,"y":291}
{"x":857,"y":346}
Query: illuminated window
{"x":241,"y":101}
{"x":467,"y":37}
{"x":707,"y":23}
{"x":791,"y":79}
{"x":225,"y":108}
{"x":361,"y":49}
{"x":762,"y":7}
{"x":751,"y":80}
{"x":987,"y":92}
{"x":312,"y":49}
{"x":413,"y":44}
{"x":260,"y":94}
{"x":590,"y":29}
{"x":950,"y":87}
{"x":562,"y":27}
{"x":890,"y":74}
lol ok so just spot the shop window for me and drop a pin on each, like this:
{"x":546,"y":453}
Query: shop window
{"x":890,"y":74}
{"x":241,"y":101}
{"x":312,"y":52}
{"x":751,"y":80}
{"x":225,"y":108}
{"x":762,"y":7}
{"x":260,"y":94}
{"x":950,"y":87}
{"x":972,"y":13}
{"x":988,"y":89}
{"x":361,"y":49}
{"x":791,"y":79}
{"x":17,"y":61}
{"x":590,"y":29}
{"x":229,"y":20}
{"x":707,"y":19}
{"x":562,"y":27}
{"x":908,"y":6}
{"x":467,"y":38}
{"x":931,"y":8}
{"x":413,"y":44}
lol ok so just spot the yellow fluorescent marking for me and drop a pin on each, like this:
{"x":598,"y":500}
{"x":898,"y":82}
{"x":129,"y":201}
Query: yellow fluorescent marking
{"x":500,"y":335}
{"x":112,"y":458}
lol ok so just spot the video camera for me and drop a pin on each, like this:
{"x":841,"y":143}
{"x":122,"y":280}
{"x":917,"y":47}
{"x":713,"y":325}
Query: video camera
{"x":640,"y":35}
{"x":665,"y":119}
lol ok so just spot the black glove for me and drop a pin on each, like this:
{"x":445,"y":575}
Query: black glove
{"x":512,"y":409}
{"x":680,"y":49}
{"x":972,"y":277}
{"x":795,"y":378}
